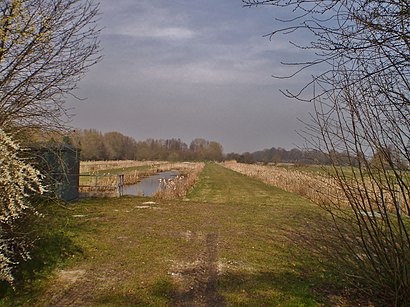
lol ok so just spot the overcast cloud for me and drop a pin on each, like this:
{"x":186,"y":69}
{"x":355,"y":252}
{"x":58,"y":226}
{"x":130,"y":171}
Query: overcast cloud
{"x":188,"y":69}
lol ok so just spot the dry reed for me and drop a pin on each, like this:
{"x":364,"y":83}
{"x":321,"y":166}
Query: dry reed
{"x":96,"y":166}
{"x":318,"y":188}
{"x":179,"y":186}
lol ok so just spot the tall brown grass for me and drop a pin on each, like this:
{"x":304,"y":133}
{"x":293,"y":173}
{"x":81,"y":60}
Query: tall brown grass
{"x":95,"y":166}
{"x":317,"y":187}
{"x":179,"y":186}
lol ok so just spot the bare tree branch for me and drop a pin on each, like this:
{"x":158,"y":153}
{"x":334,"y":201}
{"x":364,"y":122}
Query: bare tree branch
{"x":45,"y":49}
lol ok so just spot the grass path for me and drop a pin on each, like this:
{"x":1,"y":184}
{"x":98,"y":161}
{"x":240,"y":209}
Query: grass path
{"x":227,"y":245}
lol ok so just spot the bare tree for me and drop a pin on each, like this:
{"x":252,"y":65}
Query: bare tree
{"x":360,"y":38}
{"x":362,"y":108}
{"x":46,"y":46}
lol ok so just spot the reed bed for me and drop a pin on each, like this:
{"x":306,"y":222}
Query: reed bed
{"x":97,"y":166}
{"x":179,"y":186}
{"x":317,"y":187}
{"x":323,"y":189}
{"x":99,"y":184}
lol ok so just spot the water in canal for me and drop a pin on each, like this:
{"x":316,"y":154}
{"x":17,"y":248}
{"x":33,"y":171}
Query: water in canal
{"x":150,"y":185}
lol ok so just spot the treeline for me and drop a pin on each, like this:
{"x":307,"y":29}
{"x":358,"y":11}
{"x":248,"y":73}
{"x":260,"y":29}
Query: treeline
{"x":96,"y":145}
{"x":388,"y":158}
{"x":280,"y":155}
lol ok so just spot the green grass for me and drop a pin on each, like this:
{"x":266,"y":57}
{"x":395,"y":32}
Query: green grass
{"x":231,"y":236}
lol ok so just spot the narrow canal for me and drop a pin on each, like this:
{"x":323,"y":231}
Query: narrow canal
{"x":150,"y":185}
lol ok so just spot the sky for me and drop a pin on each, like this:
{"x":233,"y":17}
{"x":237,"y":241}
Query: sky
{"x":192,"y":69}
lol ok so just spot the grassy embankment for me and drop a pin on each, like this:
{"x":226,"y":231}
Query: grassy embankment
{"x":228,"y":244}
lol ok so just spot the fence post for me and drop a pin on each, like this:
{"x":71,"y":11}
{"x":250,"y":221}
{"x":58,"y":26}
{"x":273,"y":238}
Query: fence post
{"x":120,"y":184}
{"x":96,"y":183}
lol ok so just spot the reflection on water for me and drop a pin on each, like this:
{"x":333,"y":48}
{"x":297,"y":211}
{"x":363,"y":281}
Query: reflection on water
{"x":150,"y":185}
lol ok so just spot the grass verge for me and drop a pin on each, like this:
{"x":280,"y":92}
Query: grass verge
{"x":228,"y":244}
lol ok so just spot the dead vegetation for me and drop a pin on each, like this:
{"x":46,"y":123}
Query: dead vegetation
{"x":179,"y":186}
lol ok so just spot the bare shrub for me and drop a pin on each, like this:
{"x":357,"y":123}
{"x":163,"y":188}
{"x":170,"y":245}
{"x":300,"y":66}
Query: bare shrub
{"x":360,"y":85}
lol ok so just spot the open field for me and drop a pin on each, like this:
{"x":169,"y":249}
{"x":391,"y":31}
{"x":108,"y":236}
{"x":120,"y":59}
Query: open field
{"x":228,"y":243}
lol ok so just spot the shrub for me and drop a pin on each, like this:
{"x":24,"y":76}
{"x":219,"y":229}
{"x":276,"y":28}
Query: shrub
{"x":18,"y":182}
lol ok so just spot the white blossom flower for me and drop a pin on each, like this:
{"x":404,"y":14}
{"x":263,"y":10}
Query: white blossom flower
{"x":18,"y":181}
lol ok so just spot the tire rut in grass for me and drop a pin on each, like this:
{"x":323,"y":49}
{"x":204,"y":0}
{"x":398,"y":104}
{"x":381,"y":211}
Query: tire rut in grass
{"x":203,"y":289}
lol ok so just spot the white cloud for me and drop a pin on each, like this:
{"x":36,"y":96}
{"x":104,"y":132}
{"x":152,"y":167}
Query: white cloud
{"x":209,"y":72}
{"x":155,"y":32}
{"x":173,"y":33}
{"x":145,"y":19}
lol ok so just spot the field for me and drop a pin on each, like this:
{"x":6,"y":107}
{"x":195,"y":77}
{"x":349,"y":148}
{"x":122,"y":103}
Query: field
{"x":228,"y":242}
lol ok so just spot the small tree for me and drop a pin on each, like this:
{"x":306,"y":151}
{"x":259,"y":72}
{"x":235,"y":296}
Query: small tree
{"x":18,"y":182}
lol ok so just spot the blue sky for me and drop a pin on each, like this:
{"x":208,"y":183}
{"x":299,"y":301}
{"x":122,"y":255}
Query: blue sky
{"x":188,"y":69}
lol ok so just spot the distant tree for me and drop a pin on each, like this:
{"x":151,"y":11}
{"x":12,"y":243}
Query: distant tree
{"x":92,"y":145}
{"x":214,"y":151}
{"x":295,"y":155}
{"x":246,"y":158}
{"x":263,"y":155}
{"x":116,"y":145}
{"x":143,"y":151}
{"x":206,"y":150}
{"x":174,"y":156}
{"x":232,"y":156}
{"x":198,"y":147}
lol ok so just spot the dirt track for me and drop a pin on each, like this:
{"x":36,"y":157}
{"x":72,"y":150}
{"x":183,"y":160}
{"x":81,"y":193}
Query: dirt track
{"x":202,"y":290}
{"x":197,"y":280}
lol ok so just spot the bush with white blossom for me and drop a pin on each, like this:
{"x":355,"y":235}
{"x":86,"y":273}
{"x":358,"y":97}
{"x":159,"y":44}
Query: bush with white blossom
{"x":18,"y":182}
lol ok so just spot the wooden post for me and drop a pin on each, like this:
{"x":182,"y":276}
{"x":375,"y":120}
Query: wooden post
{"x":120,"y":184}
